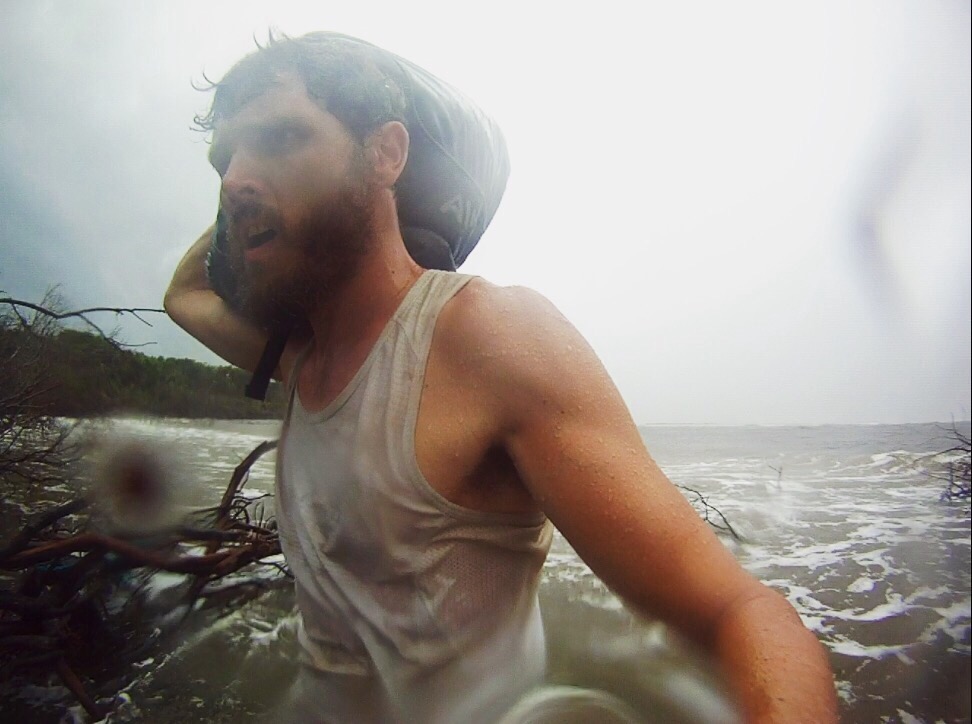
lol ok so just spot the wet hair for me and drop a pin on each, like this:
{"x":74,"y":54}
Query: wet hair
{"x":342,"y":74}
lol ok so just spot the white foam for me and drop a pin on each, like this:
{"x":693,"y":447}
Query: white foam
{"x":836,"y":536}
{"x":604,"y":600}
{"x":163,"y":581}
{"x":861,"y":585}
{"x":907,"y":718}
{"x":894,"y":605}
{"x":845,"y":692}
{"x":955,"y":622}
{"x":843,"y":645}
{"x":265,"y":633}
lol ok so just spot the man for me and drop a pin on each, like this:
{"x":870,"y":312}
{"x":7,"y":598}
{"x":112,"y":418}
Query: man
{"x":437,"y":426}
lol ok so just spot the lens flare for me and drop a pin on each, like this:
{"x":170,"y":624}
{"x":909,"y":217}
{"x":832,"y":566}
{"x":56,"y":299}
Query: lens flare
{"x":136,"y":484}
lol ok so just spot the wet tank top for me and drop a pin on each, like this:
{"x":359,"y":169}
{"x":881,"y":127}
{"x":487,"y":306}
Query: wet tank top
{"x":433,"y":605}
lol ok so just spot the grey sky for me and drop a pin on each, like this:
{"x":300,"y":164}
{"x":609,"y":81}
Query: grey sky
{"x":755,"y":213}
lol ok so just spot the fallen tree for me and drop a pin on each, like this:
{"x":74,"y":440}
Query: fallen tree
{"x":70,"y":597}
{"x":71,"y":584}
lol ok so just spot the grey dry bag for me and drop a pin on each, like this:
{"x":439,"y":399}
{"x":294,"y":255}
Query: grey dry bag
{"x":447,"y":194}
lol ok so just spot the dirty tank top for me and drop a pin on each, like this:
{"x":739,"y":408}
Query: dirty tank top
{"x":428,"y":607}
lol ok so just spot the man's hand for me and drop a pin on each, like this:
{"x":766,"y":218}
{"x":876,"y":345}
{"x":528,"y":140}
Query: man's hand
{"x":195,"y":307}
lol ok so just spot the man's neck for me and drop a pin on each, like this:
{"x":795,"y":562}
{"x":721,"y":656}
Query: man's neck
{"x":357,"y":312}
{"x":347,"y":326}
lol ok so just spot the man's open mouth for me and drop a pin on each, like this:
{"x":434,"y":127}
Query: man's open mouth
{"x":260,"y":238}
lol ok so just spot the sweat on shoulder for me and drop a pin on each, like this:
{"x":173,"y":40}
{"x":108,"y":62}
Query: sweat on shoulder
{"x":438,"y":426}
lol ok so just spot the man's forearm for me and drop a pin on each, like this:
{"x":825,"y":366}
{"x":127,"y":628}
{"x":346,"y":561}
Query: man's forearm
{"x":194,"y":306}
{"x":190,"y":274}
{"x":776,"y":667}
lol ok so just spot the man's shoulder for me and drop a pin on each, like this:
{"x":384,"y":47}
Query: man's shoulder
{"x":498,"y":330}
{"x":518,"y":354}
{"x":484,"y":300}
{"x":483,"y":308}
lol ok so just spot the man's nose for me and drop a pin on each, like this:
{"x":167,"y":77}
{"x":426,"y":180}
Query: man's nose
{"x":241,"y":183}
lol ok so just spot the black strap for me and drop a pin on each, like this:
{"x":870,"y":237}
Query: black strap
{"x":257,"y":387}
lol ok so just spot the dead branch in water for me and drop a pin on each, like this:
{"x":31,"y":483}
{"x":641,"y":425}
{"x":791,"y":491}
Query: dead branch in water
{"x":958,"y":472}
{"x":779,"y":476}
{"x":711,"y":514}
{"x":240,"y":474}
{"x":56,"y":614}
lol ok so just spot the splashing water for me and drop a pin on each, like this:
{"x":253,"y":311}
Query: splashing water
{"x":845,"y":521}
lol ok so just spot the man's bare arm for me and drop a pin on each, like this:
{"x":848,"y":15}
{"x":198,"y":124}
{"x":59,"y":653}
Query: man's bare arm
{"x":581,"y":456}
{"x":194,"y":306}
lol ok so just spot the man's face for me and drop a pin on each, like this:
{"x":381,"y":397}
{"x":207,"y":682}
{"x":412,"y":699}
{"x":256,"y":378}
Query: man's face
{"x":296,"y":196}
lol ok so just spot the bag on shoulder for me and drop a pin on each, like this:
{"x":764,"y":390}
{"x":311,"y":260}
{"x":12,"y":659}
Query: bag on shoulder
{"x":447,"y":194}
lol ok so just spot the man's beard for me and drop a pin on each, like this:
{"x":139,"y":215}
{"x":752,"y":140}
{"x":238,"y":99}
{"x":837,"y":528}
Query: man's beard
{"x":331,"y":240}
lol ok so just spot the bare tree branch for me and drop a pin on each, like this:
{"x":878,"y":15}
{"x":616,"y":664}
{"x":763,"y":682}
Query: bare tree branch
{"x":134,"y":311}
{"x":82,"y":314}
{"x":958,"y":473}
{"x":708,"y":509}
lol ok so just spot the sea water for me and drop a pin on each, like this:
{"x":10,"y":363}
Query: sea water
{"x":845,"y":521}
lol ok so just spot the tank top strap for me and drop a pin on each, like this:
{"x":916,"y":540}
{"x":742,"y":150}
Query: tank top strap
{"x":418,"y":314}
{"x":294,"y":374}
{"x":415,"y":317}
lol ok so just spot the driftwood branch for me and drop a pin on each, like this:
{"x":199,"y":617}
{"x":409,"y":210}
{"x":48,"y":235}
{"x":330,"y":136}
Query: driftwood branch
{"x":72,"y":682}
{"x":240,"y":474}
{"x":57,"y":618}
{"x":779,"y":476}
{"x":97,"y":541}
{"x":957,"y":475}
{"x":44,"y":520}
{"x":711,"y":514}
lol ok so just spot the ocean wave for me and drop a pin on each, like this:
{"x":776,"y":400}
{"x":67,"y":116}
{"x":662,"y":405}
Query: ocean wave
{"x":844,"y":521}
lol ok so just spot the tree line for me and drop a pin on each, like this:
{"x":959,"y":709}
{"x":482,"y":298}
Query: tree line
{"x":90,"y":375}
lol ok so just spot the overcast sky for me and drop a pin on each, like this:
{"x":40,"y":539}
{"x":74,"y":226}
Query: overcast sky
{"x":757,"y":212}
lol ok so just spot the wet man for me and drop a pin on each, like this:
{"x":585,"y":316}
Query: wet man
{"x":438,"y":425}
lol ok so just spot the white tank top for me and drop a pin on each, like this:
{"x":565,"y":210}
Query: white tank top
{"x":432,"y":604}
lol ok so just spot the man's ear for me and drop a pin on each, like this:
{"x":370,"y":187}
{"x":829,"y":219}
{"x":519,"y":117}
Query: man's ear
{"x":387,"y":151}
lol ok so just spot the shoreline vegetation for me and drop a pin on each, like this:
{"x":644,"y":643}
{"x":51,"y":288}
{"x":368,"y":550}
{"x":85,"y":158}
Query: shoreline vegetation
{"x":90,"y":376}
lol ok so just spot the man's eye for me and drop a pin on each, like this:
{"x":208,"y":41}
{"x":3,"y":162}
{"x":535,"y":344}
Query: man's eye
{"x":219,"y":161}
{"x":276,"y":140}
